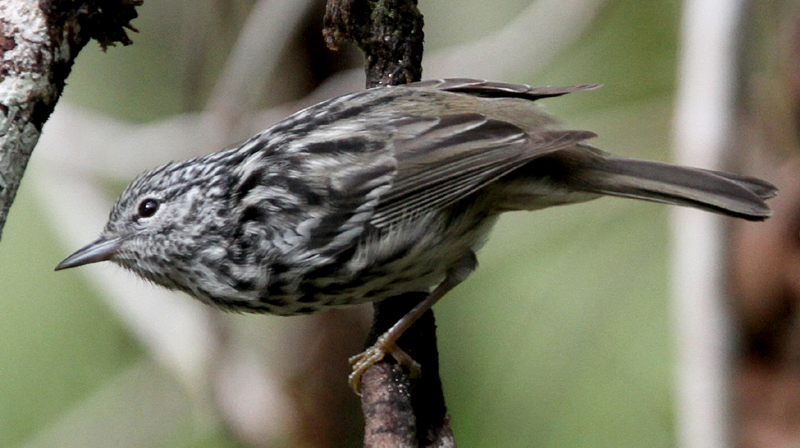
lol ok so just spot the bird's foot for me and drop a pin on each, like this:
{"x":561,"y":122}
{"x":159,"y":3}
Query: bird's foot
{"x":387,"y":342}
{"x":373,"y":355}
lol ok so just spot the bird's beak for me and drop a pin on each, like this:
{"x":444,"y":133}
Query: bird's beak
{"x":100,"y":250}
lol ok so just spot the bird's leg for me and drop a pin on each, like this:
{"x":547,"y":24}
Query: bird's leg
{"x":387,"y":342}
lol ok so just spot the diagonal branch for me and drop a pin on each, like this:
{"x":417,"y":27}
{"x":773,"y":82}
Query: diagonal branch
{"x":39,"y":41}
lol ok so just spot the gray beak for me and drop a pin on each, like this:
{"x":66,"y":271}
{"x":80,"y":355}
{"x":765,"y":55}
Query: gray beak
{"x":100,"y":250}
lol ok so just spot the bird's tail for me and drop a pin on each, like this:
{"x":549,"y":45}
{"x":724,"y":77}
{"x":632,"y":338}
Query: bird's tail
{"x":728,"y":194}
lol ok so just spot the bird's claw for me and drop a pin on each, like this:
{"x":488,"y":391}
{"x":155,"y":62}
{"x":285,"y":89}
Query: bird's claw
{"x":373,"y":355}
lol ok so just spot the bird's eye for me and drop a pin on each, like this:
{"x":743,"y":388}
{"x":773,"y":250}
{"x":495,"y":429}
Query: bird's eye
{"x":148,"y":208}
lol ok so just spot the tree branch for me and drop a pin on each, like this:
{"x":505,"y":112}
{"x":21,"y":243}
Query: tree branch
{"x":389,"y":32}
{"x":388,"y":392}
{"x":39,"y":41}
{"x":398,"y":412}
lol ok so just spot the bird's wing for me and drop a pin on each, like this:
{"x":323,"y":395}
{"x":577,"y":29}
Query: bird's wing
{"x":352,"y":192}
{"x":431,"y":162}
{"x":441,"y":160}
{"x":427,"y":163}
{"x":490,"y":89}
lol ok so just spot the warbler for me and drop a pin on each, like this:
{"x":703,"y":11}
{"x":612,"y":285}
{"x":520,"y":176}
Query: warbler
{"x":374,"y":194}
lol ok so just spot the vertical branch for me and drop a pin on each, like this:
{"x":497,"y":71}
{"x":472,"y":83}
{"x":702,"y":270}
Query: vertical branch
{"x":39,"y":41}
{"x":398,"y":412}
{"x":389,"y":32}
{"x":395,"y":406}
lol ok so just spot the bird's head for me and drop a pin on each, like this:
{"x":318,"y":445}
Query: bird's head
{"x":166,"y":225}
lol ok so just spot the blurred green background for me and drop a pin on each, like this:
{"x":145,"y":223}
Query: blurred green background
{"x":560,"y":339}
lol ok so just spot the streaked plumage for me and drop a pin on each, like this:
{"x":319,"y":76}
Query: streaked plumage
{"x":377,"y":193}
{"x":374,"y":194}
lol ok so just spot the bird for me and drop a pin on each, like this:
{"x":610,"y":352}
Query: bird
{"x":378,"y":193}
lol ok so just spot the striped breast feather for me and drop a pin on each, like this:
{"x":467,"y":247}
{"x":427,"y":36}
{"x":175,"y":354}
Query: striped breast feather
{"x":456,"y":155}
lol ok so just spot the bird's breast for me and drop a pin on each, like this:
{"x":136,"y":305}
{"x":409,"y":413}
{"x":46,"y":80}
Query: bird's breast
{"x":409,"y":257}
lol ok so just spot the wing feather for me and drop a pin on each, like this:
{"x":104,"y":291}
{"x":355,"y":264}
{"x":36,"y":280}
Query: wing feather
{"x":457,"y":156}
{"x":489,"y":89}
{"x":428,"y":162}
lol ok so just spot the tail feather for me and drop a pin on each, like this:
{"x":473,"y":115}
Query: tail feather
{"x":762,"y":188}
{"x":729,"y":194}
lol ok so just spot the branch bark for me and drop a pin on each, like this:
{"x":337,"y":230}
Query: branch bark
{"x":397,"y":408}
{"x":399,"y":412}
{"x":39,"y":41}
{"x":389,"y":32}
